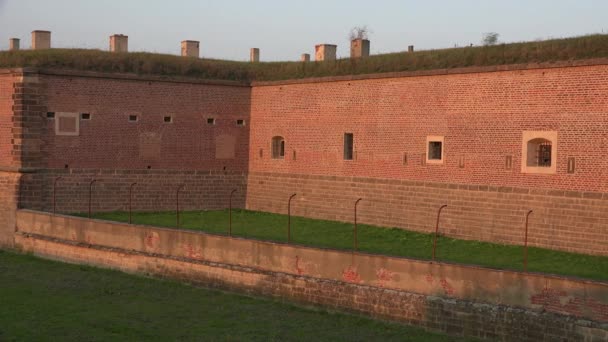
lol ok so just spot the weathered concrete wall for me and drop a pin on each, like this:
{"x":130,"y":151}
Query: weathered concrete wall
{"x":9,"y":187}
{"x":64,"y":237}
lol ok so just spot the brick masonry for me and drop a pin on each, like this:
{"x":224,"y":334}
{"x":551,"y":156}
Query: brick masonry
{"x":565,"y":220}
{"x":481,"y":113}
{"x":459,"y":300}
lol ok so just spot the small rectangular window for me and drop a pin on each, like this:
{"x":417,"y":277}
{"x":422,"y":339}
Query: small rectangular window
{"x":571,"y":165}
{"x":435,"y":150}
{"x":348,"y":146}
{"x":240,"y":122}
{"x":133,"y":118}
{"x":50,"y":115}
{"x":85,"y":116}
{"x":210,"y":121}
{"x":168,"y":119}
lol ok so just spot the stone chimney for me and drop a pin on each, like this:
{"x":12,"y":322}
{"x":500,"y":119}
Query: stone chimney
{"x":359,"y":48}
{"x":41,"y":40}
{"x":254,"y":55}
{"x":410,"y":48}
{"x":13,"y":44}
{"x":325,"y":52}
{"x":190,"y":48}
{"x":119,"y":43}
{"x":305,"y":57}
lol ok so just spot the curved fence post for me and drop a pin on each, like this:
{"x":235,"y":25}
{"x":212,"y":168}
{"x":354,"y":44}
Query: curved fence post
{"x":289,"y":218}
{"x":55,"y":194}
{"x":179,"y":188}
{"x":526,"y":243}
{"x":130,"y":202}
{"x":91,"y":194}
{"x":437,"y":229}
{"x":355,"y":242}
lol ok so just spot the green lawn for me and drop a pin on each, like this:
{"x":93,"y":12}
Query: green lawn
{"x":43,"y":300}
{"x":389,"y":241}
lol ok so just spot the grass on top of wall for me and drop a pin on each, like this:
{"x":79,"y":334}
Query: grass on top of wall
{"x":144,"y":63}
{"x":372,"y":239}
{"x":49,"y":301}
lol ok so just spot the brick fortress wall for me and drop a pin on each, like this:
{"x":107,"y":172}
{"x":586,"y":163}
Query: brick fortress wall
{"x":482,"y":117}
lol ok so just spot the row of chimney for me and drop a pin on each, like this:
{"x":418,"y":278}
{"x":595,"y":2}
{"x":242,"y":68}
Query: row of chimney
{"x":191,"y":48}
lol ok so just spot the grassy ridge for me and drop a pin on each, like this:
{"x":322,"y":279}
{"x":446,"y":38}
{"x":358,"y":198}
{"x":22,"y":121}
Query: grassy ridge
{"x":49,"y":301}
{"x":584,"y":47}
{"x":387,"y":241}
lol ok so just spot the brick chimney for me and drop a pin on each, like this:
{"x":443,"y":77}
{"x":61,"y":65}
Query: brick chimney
{"x":359,"y":48}
{"x":325,"y":52}
{"x":305,"y":57}
{"x":190,"y":48}
{"x":119,"y":43}
{"x":254,"y":55}
{"x":41,"y":40}
{"x":410,"y":48}
{"x":13,"y":44}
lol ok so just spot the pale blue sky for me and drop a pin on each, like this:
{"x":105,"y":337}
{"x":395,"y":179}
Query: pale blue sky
{"x":285,"y":29}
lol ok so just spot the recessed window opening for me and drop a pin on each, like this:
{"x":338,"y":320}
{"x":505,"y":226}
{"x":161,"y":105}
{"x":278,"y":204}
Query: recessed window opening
{"x":240,"y":122}
{"x":168,"y":119}
{"x":348,"y":146}
{"x":278,"y":147}
{"x":539,"y":152}
{"x":85,"y":116}
{"x":133,"y":118}
{"x":210,"y":121}
{"x":50,"y":115}
{"x":435,"y":149}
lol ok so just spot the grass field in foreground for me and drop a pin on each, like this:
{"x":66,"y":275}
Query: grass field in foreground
{"x":388,"y":241}
{"x":43,"y":300}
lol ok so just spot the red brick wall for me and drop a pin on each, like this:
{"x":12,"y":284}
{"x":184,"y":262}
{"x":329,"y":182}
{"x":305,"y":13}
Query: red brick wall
{"x":110,"y":141}
{"x":6,"y":122}
{"x":481,"y":115}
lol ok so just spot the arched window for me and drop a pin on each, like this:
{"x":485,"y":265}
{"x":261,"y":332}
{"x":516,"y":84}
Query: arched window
{"x":539,"y":152}
{"x":278,"y":147}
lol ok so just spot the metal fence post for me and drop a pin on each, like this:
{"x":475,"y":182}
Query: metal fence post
{"x":437,"y":230}
{"x":130,"y":202}
{"x":55,"y":194}
{"x":355,"y":242}
{"x":526,"y":243}
{"x":91,"y":194}
{"x":177,"y":203}
{"x":230,"y":212}
{"x":289,"y":218}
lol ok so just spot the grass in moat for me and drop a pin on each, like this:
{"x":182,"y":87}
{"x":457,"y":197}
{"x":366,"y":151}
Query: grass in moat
{"x":44,"y":300}
{"x":387,"y":241}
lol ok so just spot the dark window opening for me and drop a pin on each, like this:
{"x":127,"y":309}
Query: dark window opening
{"x":168,"y":119}
{"x":85,"y":116}
{"x":348,"y":146}
{"x":539,"y":152}
{"x":210,"y":121}
{"x":240,"y":122}
{"x":435,"y":150}
{"x":50,"y":115}
{"x":133,"y":118}
{"x":278,"y":147}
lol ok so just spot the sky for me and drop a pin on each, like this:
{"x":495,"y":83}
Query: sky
{"x":284,"y":29}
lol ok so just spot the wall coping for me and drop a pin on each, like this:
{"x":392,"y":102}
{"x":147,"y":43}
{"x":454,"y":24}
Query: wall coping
{"x":324,"y":79}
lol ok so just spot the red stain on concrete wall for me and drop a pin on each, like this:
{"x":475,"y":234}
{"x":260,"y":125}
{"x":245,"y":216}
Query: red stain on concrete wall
{"x":383,"y":276}
{"x":351,"y":275}
{"x":561,"y":302}
{"x":299,"y":267}
{"x":192,"y":252}
{"x":152,"y":241}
